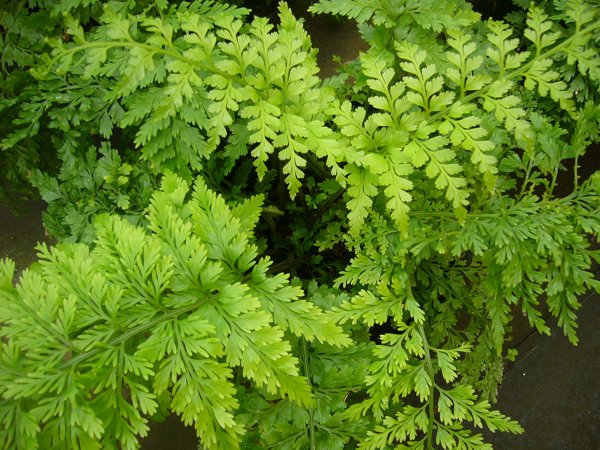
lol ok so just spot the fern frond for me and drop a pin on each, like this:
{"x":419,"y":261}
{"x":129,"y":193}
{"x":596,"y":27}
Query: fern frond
{"x":173,"y":320}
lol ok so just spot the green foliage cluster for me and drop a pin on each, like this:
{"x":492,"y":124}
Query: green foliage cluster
{"x":150,"y":319}
{"x":346,"y":269}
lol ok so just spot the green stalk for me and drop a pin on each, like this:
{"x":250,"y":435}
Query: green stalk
{"x":553,"y":182}
{"x":430,"y":405}
{"x":520,"y":71}
{"x":526,"y":178}
{"x":325,"y":206}
{"x":311,"y":413}
{"x":136,"y":330}
{"x":575,"y":173}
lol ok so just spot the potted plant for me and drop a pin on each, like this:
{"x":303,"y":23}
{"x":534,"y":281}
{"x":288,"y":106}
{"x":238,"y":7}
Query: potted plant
{"x":286,"y":262}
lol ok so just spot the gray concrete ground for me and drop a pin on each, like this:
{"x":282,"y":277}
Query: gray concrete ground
{"x":20,"y":232}
{"x":553,"y":389}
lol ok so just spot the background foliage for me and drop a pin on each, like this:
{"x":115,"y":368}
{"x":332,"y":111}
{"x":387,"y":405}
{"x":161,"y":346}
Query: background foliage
{"x":345,"y":271}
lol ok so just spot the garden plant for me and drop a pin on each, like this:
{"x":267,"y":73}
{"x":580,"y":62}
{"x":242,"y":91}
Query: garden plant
{"x":286,"y":262}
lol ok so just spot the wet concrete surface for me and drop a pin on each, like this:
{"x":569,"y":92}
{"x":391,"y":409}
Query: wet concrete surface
{"x":553,"y":389}
{"x":170,"y":434}
{"x":21,"y":230}
{"x":321,"y":29}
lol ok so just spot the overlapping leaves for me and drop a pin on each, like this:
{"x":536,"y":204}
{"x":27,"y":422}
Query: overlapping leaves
{"x":185,"y":315}
{"x":168,"y":313}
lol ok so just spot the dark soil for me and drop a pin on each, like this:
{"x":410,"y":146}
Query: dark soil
{"x":21,"y":230}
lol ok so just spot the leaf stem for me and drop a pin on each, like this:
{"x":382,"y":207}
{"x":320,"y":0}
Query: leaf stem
{"x":430,"y":404}
{"x":325,"y":206}
{"x":316,"y":165}
{"x":136,"y":330}
{"x":526,"y":178}
{"x":575,"y":172}
{"x":288,"y":264}
{"x":311,"y":423}
{"x":519,"y":72}
{"x":550,"y":190}
{"x":128,"y":44}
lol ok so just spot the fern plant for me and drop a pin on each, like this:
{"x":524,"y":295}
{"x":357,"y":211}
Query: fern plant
{"x":189,"y":304}
{"x":412,"y":199}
